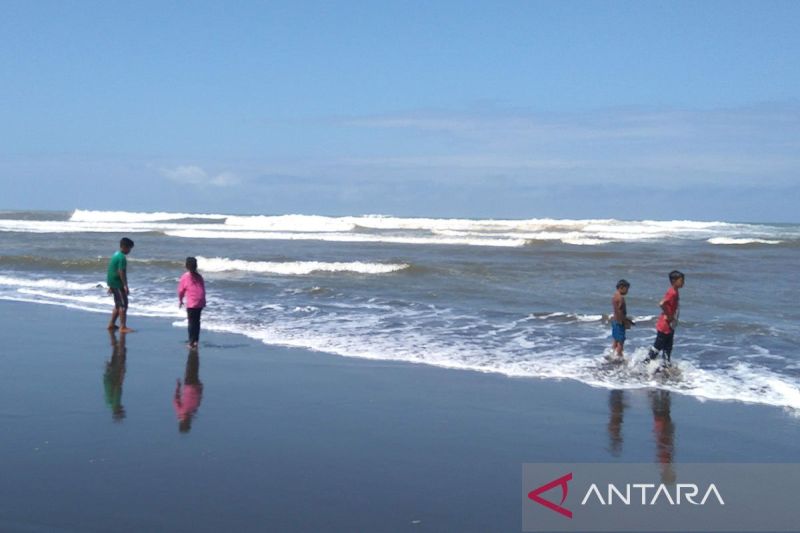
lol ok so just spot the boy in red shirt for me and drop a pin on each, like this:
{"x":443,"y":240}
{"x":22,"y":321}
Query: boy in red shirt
{"x":668,"y":321}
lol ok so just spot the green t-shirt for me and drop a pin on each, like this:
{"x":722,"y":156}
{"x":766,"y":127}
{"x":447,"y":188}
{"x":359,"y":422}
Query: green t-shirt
{"x":117,"y":262}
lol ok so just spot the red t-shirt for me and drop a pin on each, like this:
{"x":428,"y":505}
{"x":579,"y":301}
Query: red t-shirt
{"x":671,"y":307}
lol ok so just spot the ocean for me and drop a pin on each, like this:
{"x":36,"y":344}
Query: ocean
{"x":524,"y":298}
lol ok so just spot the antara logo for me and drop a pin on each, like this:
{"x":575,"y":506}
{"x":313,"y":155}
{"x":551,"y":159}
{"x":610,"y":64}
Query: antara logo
{"x":649,"y":494}
{"x":682,"y":492}
{"x":562,"y":482}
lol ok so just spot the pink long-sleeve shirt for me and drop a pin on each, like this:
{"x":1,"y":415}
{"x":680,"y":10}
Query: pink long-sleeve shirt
{"x":194,"y":289}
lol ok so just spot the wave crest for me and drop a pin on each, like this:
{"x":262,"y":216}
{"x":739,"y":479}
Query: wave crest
{"x":81,"y":215}
{"x":730,"y":240}
{"x":295,"y":268}
{"x":48,"y":283}
{"x":301,"y":223}
{"x":415,"y":231}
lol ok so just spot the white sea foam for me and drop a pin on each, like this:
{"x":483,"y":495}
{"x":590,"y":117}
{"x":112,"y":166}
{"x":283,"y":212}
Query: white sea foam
{"x":451,"y":339}
{"x":81,"y":215}
{"x":399,"y":230}
{"x":48,"y":283}
{"x":300,"y":223}
{"x":294,"y":268}
{"x":69,"y":305}
{"x":59,"y":226}
{"x":430,"y":224}
{"x":99,"y":299}
{"x":63,"y":226}
{"x":744,"y":382}
{"x":728,"y":240}
{"x":339,"y":237}
{"x":565,"y":317}
{"x":571,"y":237}
{"x":146,"y":306}
{"x":585,"y":241}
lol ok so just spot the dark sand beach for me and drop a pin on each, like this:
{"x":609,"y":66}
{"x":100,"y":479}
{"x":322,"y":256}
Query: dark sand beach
{"x":291,"y":440}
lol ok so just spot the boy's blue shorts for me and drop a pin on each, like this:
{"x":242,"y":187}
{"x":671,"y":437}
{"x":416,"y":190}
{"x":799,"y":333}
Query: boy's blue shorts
{"x":618,"y":331}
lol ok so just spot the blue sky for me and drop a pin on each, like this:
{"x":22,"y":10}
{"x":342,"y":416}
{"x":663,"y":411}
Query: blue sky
{"x":478,"y":109}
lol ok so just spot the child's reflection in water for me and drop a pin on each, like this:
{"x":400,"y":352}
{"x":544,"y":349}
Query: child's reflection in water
{"x":616,"y":411}
{"x":114,"y":375}
{"x":664,"y":432}
{"x":187,"y":397}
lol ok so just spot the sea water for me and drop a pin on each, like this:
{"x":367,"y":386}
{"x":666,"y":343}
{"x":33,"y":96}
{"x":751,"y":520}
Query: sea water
{"x":524,"y":298}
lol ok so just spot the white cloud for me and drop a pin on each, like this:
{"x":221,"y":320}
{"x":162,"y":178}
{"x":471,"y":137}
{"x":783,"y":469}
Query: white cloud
{"x":194,"y":175}
{"x":224,"y":179}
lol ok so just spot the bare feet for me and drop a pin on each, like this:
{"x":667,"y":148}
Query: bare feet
{"x":112,"y":327}
{"x":126,"y":330}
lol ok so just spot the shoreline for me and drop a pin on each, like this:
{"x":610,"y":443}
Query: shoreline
{"x":701,"y":398}
{"x":293,"y":439}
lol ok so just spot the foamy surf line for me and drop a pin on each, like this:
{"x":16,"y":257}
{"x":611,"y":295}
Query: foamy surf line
{"x":398,"y":230}
{"x":764,"y":387}
{"x":81,"y":215}
{"x":295,"y":268}
{"x":767,"y":388}
{"x":102,"y":303}
{"x":731,"y":241}
{"x":49,"y":283}
{"x":333,"y":237}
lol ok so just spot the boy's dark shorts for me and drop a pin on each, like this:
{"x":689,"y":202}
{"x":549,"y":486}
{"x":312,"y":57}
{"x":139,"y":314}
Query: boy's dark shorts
{"x":120,"y":298}
{"x":664,"y":341}
{"x":618,"y":331}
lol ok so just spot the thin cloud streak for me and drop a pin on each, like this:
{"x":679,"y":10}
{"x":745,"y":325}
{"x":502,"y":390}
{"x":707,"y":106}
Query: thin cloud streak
{"x":746,"y":146}
{"x":609,"y":124}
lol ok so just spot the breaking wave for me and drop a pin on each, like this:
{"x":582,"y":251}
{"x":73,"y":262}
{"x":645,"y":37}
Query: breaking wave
{"x":81,"y":215}
{"x":300,"y":223}
{"x":48,"y":283}
{"x":295,"y":268}
{"x":399,"y":230}
{"x":728,"y":240}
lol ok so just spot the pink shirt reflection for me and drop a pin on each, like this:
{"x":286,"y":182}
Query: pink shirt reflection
{"x":187,"y":400}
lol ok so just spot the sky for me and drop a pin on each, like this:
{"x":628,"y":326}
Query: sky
{"x":628,"y":110}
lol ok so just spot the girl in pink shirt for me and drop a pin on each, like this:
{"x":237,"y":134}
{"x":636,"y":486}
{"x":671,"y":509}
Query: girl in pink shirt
{"x":193,"y":288}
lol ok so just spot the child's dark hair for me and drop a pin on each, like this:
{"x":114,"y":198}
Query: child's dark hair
{"x":191,"y":266}
{"x":623,"y":283}
{"x":125,"y":242}
{"x":675,"y":275}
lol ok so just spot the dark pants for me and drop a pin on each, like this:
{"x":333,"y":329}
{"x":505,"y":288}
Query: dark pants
{"x":120,"y":298}
{"x":664,"y":343}
{"x":194,"y":323}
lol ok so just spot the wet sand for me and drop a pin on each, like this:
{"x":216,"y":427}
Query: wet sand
{"x":280,"y":439}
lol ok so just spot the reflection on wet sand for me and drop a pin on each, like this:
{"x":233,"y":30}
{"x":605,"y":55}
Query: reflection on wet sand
{"x":187,"y":397}
{"x":114,"y":375}
{"x":664,"y":433}
{"x":663,"y":429}
{"x":616,"y":410}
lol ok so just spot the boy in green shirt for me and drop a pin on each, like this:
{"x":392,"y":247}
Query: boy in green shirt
{"x":117,"y":279}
